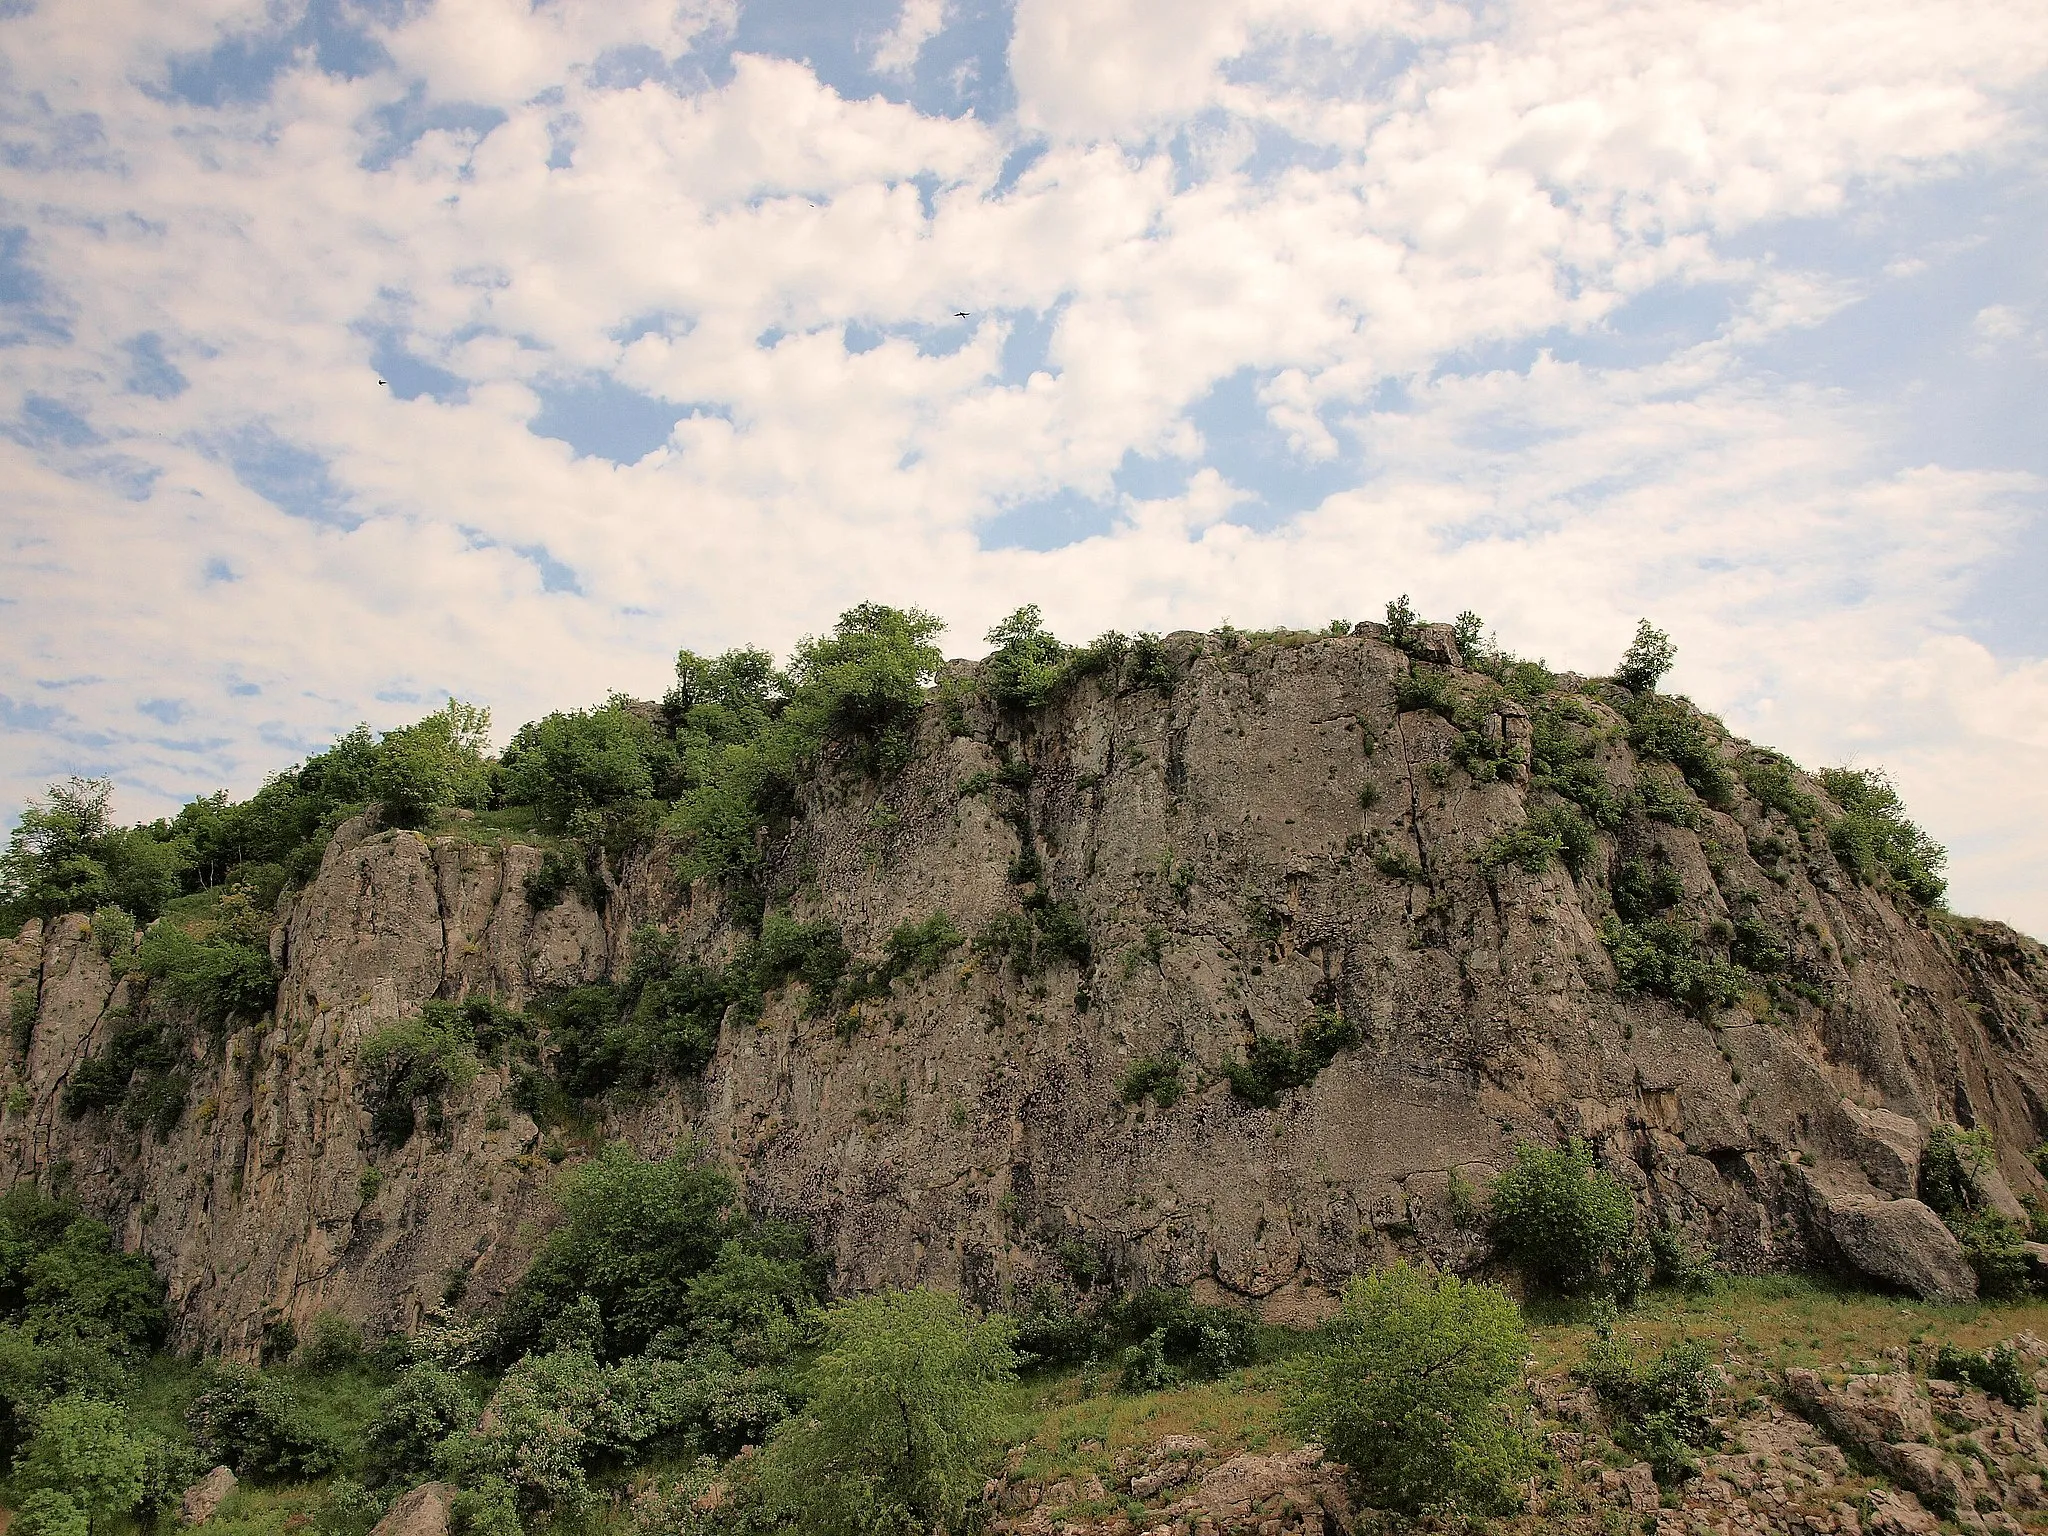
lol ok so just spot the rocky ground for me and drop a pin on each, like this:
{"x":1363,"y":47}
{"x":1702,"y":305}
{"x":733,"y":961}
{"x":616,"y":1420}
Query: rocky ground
{"x":1874,"y":1448}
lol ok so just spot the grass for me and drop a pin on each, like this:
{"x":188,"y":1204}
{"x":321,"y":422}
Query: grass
{"x":1077,"y":1423}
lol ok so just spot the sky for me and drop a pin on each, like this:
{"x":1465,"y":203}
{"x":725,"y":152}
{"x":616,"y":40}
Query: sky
{"x":359,"y":353}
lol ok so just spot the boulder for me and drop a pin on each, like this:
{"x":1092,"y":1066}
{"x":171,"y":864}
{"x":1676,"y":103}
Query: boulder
{"x":206,"y":1496}
{"x":421,"y":1512}
{"x":1903,"y":1244}
{"x":1887,"y":1147}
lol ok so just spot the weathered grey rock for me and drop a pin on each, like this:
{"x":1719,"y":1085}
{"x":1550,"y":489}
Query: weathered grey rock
{"x":422,"y":1511}
{"x":1902,"y":1243}
{"x":1887,"y":1146}
{"x":206,"y":1496}
{"x":962,"y":1132}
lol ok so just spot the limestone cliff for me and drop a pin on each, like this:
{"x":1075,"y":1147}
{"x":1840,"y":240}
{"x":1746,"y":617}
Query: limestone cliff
{"x":1270,"y":838}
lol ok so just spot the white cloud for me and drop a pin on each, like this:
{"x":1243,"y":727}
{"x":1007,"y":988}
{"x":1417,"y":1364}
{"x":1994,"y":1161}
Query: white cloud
{"x":1453,"y":187}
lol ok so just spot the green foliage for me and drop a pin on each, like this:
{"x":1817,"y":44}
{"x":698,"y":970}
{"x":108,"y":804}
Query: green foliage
{"x":1648,"y":658}
{"x":66,"y":855}
{"x":586,"y":762}
{"x":416,"y":1062}
{"x":64,"y":1283}
{"x":332,"y":1343}
{"x":1177,"y":1338}
{"x":1671,"y":731}
{"x":1774,"y":783}
{"x":1271,"y":1067}
{"x":1550,"y":832}
{"x":84,"y":1450}
{"x":1996,"y":1247}
{"x":2002,"y":1372}
{"x":414,"y":1415}
{"x":253,"y":1421}
{"x":1428,"y":690}
{"x":435,"y":762}
{"x":636,"y":1237}
{"x":1665,"y":1405}
{"x":1027,"y":664}
{"x":1569,"y":1224}
{"x":1045,"y":931}
{"x":1661,"y":956}
{"x":22,"y":1010}
{"x":47,"y":1513}
{"x":1677,"y":1261}
{"x":1402,"y":622}
{"x":489,"y":1509}
{"x":1952,"y":1167}
{"x":1563,"y":759}
{"x":919,"y":949}
{"x":1411,"y":1386}
{"x":1157,"y":1078}
{"x":901,"y":1418}
{"x":220,"y":977}
{"x":113,"y":935}
{"x":1874,"y":839}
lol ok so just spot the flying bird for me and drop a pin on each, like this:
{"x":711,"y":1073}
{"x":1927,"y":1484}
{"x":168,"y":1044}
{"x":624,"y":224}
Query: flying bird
{"x":959,"y":314}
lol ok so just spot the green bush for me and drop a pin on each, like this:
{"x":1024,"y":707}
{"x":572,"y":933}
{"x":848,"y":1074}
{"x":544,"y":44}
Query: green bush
{"x":901,"y":1417}
{"x":1157,"y":1078}
{"x":252,"y":1421}
{"x":416,"y":1062}
{"x":1412,"y":1387}
{"x":66,"y":855}
{"x":1996,"y":1247}
{"x":332,"y":1343}
{"x":1550,"y":832}
{"x":84,"y":1450}
{"x":1027,"y":665}
{"x":63,"y":1279}
{"x":435,"y":762}
{"x":1671,"y":731}
{"x":1665,"y":1405}
{"x":1272,"y":1067}
{"x":1951,"y":1166}
{"x":596,"y":761}
{"x":1568,"y":1223}
{"x":414,"y":1415}
{"x":2001,"y":1371}
{"x":1874,"y":839}
{"x":633,"y":1236}
{"x":1650,"y":655}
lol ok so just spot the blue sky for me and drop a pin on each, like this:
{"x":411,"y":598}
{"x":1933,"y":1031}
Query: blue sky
{"x":354,"y":353}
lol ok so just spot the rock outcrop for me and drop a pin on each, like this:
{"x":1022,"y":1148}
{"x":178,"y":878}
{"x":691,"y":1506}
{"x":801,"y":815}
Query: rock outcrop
{"x":1271,"y":840}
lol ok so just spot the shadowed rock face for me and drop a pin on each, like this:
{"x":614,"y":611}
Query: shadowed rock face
{"x":968,"y":1129}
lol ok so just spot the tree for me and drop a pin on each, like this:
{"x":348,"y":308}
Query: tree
{"x":434,"y":762}
{"x":66,"y":855}
{"x":414,"y":1415}
{"x":900,"y":1419}
{"x":1410,"y":1388}
{"x":83,"y":1449}
{"x":633,"y":1236}
{"x":600,"y":760}
{"x":1570,"y":1224}
{"x":1025,"y":665}
{"x":1649,"y":657}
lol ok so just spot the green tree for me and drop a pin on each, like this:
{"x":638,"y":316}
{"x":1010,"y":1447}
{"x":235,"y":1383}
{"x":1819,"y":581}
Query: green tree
{"x":1569,"y":1224}
{"x":1648,"y":658}
{"x":84,"y":1450}
{"x":633,"y":1236}
{"x":414,"y":1415}
{"x":900,"y":1418}
{"x":66,"y":855}
{"x":1027,"y":662}
{"x":582,"y":761}
{"x":438,"y":761}
{"x":1876,"y":840}
{"x":1411,"y":1385}
{"x":862,"y":684}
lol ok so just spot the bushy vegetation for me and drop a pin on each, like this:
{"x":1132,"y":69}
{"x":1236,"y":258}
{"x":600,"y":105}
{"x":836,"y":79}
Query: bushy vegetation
{"x":1952,"y":1170}
{"x":1272,"y":1066}
{"x":1665,"y":1405}
{"x":900,"y":1420}
{"x":1876,"y":842}
{"x":1570,"y":1224}
{"x":1411,"y":1387}
{"x":2000,"y":1371}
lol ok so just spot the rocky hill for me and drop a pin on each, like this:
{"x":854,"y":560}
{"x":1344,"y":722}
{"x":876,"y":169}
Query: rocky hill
{"x":1240,"y":969}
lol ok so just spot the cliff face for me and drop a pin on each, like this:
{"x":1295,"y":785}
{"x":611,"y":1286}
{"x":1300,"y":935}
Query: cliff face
{"x":1230,"y":846}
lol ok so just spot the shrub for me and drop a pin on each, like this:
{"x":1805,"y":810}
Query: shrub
{"x":1550,"y":832}
{"x":633,"y":1235}
{"x":489,"y":1509}
{"x":66,"y":855}
{"x":252,"y":1422}
{"x":1157,"y":1078}
{"x":438,"y":761}
{"x":214,"y":980}
{"x":1571,"y":1225}
{"x":1874,"y":839}
{"x":1951,"y":1165}
{"x":1272,"y":1067}
{"x":1027,"y":664}
{"x":1666,"y":1405}
{"x":45,"y":1512}
{"x":1669,"y":730}
{"x":901,"y":1417}
{"x":421,"y":1060}
{"x":63,"y":1276}
{"x":2001,"y":1372}
{"x":84,"y":1450}
{"x":332,"y":1343}
{"x":1996,"y":1247}
{"x":1410,"y":1387}
{"x":413,"y":1416}
{"x":1648,"y":658}
{"x":595,"y":761}
{"x":1179,"y":1337}
{"x":1661,"y":957}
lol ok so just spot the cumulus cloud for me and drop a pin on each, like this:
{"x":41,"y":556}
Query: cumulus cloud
{"x":1293,"y":304}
